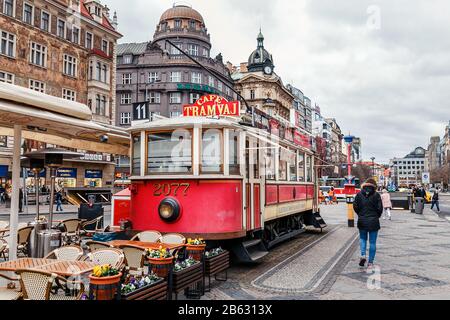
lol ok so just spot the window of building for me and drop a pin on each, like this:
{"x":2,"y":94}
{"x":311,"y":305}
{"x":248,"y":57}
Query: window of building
{"x":169,"y":152}
{"x":28,"y":11}
{"x":6,"y":77}
{"x":192,"y":24}
{"x":175,"y":98}
{"x":177,"y":24}
{"x":152,"y":77}
{"x":70,"y":66}
{"x":101,"y":102}
{"x":205,"y":53}
{"x":89,"y":40}
{"x":37,"y":86}
{"x":175,"y":76}
{"x":126,"y":78}
{"x":193,"y":49}
{"x":61,"y":29}
{"x":211,"y":81}
{"x":125,"y":98}
{"x":38,"y":54}
{"x":104,"y":74}
{"x":125,"y":118}
{"x":99,"y":71}
{"x":153,"y":97}
{"x":211,"y":151}
{"x":9,"y":7}
{"x":128,"y":59}
{"x":45,"y":21}
{"x":175,"y":114}
{"x":8,"y":44}
{"x":75,"y":35}
{"x":69,"y":94}
{"x":196,"y":77}
{"x":176,"y":50}
{"x":193,"y":97}
{"x":219,"y":86}
{"x":105,"y":46}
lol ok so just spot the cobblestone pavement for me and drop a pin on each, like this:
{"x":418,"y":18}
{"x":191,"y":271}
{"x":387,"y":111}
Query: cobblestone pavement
{"x":412,"y":263}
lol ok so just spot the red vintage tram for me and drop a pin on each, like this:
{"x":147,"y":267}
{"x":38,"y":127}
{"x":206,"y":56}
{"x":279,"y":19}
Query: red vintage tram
{"x":221,"y":180}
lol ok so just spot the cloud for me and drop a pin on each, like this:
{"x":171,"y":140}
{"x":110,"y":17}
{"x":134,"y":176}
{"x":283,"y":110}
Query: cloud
{"x":388,"y":85}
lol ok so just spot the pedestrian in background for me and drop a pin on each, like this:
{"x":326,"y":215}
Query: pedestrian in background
{"x":435,"y":201}
{"x":59,"y":199}
{"x":20,"y":200}
{"x":387,"y":204}
{"x":369,"y":208}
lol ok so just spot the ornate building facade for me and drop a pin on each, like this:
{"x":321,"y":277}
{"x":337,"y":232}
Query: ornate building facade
{"x":159,"y":73}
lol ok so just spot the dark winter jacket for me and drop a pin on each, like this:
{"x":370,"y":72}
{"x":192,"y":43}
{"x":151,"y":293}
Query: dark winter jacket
{"x":435,"y":196}
{"x":369,"y":208}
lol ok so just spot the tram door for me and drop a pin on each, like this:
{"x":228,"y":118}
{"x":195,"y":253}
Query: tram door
{"x":255,"y":188}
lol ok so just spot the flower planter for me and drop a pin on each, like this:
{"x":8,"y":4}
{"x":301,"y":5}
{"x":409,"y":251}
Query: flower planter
{"x":216,"y":265}
{"x":195,"y":251}
{"x":155,"y":291}
{"x":161,"y":266}
{"x":186,"y":278}
{"x":104,"y":288}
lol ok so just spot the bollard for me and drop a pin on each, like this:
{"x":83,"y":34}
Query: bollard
{"x":350,"y":212}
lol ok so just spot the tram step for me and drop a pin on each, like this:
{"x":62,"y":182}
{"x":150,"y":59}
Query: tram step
{"x":250,"y":251}
{"x":315,"y":220}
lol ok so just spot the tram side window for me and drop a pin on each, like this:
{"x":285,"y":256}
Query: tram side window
{"x":212,"y":151}
{"x":256,"y":160}
{"x":301,"y":167}
{"x":293,"y":167}
{"x":270,"y":163}
{"x":234,"y":152}
{"x":136,"y":155}
{"x":283,"y":156}
{"x":170,"y":152}
{"x":308,"y":169}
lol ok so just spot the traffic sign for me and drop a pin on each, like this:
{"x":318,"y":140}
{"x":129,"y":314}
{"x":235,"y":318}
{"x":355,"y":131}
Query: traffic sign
{"x":425,"y":178}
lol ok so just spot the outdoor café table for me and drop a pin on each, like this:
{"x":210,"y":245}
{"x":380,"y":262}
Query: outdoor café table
{"x":59,"y":267}
{"x":145,"y":245}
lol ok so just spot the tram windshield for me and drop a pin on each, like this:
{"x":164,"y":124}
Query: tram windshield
{"x":169,"y":152}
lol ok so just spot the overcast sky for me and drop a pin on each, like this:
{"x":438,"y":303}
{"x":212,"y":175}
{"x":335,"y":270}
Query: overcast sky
{"x":381,"y":68}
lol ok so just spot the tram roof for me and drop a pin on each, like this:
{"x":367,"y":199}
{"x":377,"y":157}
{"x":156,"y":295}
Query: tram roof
{"x":183,"y":122}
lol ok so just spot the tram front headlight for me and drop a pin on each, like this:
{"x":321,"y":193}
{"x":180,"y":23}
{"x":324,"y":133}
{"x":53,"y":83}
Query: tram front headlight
{"x":169,"y":210}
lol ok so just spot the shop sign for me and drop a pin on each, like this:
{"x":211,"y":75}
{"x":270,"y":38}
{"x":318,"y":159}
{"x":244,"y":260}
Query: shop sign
{"x":274,"y":127}
{"x":66,"y":173}
{"x":93,"y":174}
{"x":4,"y":171}
{"x":194,"y":86}
{"x":212,"y":106}
{"x":30,"y":174}
{"x":96,"y":157}
{"x":301,"y":140}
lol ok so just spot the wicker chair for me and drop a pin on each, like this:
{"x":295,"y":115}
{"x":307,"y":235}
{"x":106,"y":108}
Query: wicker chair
{"x":87,"y":232}
{"x":3,"y":249}
{"x":134,"y":259}
{"x":147,"y":236}
{"x":173,"y":238}
{"x":96,"y":245}
{"x":71,"y":233}
{"x":67,"y":253}
{"x":111,"y":256}
{"x":38,"y":285}
{"x":7,"y":293}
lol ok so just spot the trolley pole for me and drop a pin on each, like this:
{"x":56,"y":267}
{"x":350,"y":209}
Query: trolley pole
{"x":350,"y":188}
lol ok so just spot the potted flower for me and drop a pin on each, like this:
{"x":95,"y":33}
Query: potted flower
{"x":160,"y":261}
{"x":189,"y":262}
{"x":195,"y":248}
{"x":104,"y":281}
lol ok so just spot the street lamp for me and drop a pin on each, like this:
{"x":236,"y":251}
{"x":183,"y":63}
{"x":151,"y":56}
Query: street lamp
{"x":373,"y":166}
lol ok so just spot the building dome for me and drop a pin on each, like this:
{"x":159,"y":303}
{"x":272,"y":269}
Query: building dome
{"x":181,"y":12}
{"x":260,"y":57}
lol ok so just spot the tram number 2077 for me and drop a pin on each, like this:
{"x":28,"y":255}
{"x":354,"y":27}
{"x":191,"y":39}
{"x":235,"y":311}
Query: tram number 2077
{"x":168,"y":189}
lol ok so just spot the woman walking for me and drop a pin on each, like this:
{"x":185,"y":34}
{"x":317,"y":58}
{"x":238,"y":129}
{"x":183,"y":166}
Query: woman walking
{"x":387,"y":204}
{"x":369,"y":208}
{"x":435,"y":201}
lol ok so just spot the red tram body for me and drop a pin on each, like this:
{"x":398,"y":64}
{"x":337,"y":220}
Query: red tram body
{"x":220,"y":180}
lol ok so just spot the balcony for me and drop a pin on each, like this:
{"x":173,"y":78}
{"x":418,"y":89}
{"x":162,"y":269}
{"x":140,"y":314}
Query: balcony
{"x":181,"y":32}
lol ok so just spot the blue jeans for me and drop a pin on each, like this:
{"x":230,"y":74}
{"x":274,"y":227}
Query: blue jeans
{"x":59,"y":205}
{"x":435,"y":203}
{"x":373,"y":235}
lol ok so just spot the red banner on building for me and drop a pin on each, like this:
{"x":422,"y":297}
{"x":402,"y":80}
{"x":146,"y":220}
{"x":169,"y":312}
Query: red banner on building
{"x":302,"y":140}
{"x":212,"y":106}
{"x":274,"y":127}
